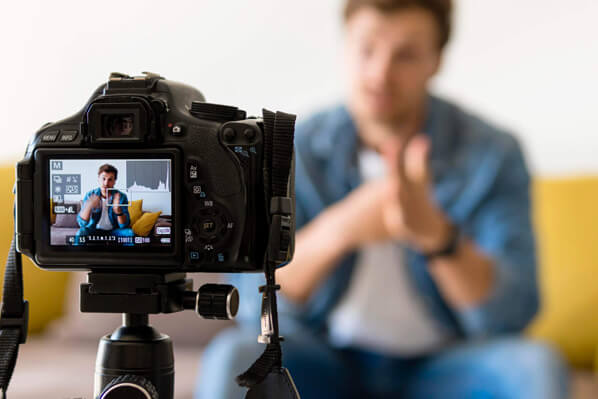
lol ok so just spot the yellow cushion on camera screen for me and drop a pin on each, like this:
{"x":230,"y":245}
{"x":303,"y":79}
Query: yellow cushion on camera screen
{"x":145,"y":224}
{"x":135,"y":210}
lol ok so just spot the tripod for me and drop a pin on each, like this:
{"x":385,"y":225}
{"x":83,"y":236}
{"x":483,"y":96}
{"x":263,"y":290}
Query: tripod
{"x":136,"y":361}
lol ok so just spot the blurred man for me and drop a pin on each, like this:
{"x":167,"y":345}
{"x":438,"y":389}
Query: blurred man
{"x":414,"y":268}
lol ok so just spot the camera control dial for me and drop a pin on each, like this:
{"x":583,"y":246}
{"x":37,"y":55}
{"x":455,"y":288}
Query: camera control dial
{"x":216,"y":112}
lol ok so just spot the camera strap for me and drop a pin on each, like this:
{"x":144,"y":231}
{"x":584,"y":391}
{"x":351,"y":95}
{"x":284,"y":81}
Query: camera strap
{"x":266,"y":378}
{"x":14,"y":317}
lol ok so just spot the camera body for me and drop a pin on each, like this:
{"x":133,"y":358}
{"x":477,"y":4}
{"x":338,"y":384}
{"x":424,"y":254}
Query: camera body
{"x":147,"y":177}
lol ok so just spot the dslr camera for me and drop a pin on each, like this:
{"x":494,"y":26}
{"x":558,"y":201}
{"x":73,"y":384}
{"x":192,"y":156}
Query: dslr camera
{"x":149,"y":177}
{"x":147,"y":183}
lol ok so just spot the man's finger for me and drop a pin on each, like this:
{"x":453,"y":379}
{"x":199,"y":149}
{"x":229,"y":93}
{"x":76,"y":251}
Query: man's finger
{"x":393,"y":152}
{"x":416,"y":159}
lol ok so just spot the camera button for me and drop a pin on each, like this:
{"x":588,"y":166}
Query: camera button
{"x":197,"y":190}
{"x":50,"y":137}
{"x":249,"y":134}
{"x":192,"y":170}
{"x":208,"y":226}
{"x":68,"y":135}
{"x":177,"y":130}
{"x":213,"y":238}
{"x":194,"y":256}
{"x":189,"y":235}
{"x":229,"y":134}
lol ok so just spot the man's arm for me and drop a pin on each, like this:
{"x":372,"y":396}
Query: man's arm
{"x":90,"y":201}
{"x":466,"y":277}
{"x":502,"y":230}
{"x":490,"y":280}
{"x":122,"y":212}
{"x":364,"y":216}
{"x":338,"y":230}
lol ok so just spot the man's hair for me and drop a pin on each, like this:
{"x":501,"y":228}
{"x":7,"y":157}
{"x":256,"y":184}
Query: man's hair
{"x":440,"y":9}
{"x":108,"y":169}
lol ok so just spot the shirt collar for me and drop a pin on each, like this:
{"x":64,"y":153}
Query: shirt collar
{"x":338,"y":140}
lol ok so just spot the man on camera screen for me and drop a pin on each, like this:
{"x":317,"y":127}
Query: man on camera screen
{"x":105,"y":209}
{"x":414,"y":267}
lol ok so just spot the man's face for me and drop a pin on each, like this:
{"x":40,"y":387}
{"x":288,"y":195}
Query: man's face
{"x":390,"y":60}
{"x":125,"y":126}
{"x":122,"y":126}
{"x":106,"y":180}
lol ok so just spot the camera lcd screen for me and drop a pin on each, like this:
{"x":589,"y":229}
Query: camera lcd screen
{"x":111,"y":203}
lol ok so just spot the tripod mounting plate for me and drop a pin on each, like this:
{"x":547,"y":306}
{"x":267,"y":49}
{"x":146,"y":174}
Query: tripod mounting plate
{"x":134,"y":293}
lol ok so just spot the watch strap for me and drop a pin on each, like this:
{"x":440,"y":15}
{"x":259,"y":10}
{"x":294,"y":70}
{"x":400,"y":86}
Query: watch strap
{"x":449,"y":249}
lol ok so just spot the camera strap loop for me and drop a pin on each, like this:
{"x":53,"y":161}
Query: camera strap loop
{"x":266,"y":378}
{"x":14,"y":317}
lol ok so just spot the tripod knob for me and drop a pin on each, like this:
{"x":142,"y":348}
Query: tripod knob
{"x":214,"y":301}
{"x":129,"y":387}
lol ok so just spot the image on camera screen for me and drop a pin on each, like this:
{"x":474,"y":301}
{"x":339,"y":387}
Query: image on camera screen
{"x":118,"y":125}
{"x":111,"y":203}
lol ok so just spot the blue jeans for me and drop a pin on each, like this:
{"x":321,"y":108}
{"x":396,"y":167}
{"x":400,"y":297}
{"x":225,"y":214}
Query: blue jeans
{"x":503,"y":368}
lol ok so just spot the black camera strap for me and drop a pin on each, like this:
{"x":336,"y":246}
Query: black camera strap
{"x":266,"y":378}
{"x":14,"y":317}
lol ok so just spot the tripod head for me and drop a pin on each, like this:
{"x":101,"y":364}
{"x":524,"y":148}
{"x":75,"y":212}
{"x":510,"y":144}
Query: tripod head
{"x":156,"y":293}
{"x":136,"y":360}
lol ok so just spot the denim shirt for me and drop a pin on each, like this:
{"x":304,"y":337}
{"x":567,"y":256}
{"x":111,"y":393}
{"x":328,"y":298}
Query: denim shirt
{"x":95,"y":215}
{"x":480,"y":181}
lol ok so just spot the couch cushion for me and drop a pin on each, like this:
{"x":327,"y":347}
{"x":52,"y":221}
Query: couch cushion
{"x":68,"y":219}
{"x":145,"y":224}
{"x":135,"y":211}
{"x":566,"y":219}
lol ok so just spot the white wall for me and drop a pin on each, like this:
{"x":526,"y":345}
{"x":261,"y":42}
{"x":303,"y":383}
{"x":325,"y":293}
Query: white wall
{"x":528,"y":65}
{"x":153,"y":201}
{"x":532,"y":66}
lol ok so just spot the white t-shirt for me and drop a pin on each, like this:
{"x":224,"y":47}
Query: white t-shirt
{"x":382,"y":310}
{"x":104,"y":223}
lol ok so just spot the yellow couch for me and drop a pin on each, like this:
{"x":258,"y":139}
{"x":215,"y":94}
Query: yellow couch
{"x":566,"y":218}
{"x":44,"y":290}
{"x":566,"y":215}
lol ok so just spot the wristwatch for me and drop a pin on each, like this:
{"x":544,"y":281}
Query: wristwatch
{"x":118,"y":214}
{"x":449,"y":249}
